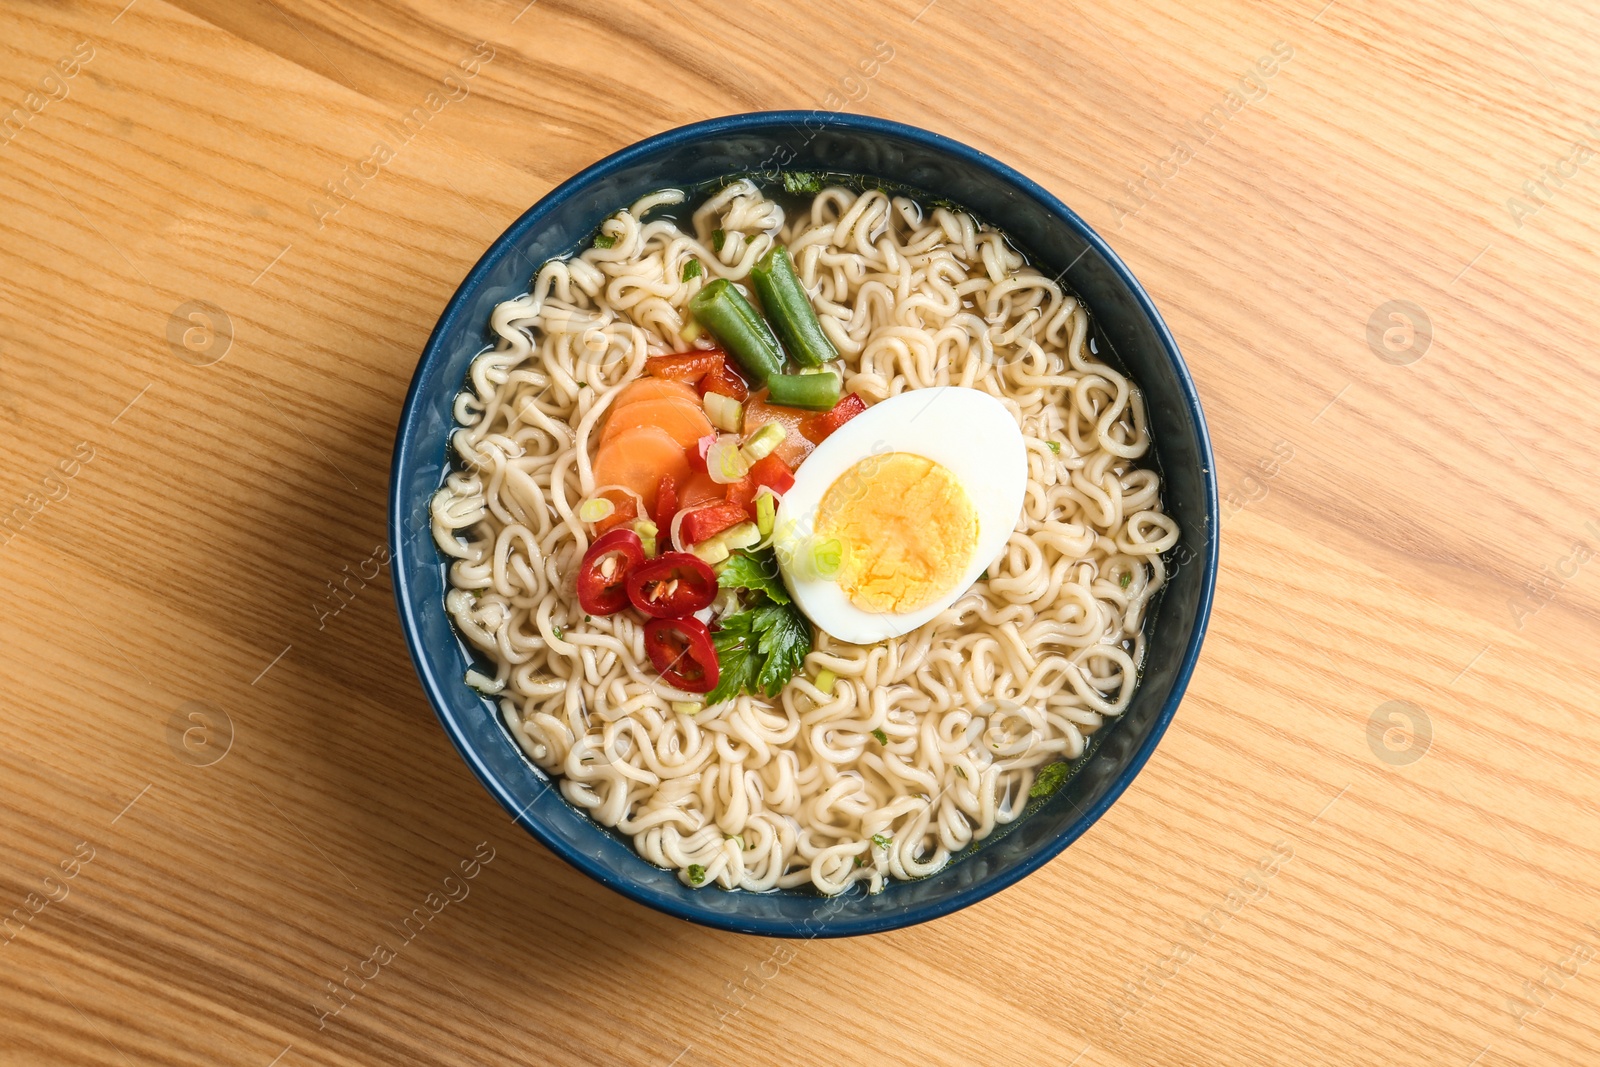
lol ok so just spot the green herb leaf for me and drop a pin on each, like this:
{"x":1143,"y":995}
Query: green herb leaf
{"x":785,"y":640}
{"x":697,"y":874}
{"x":755,"y":571}
{"x":984,"y":577}
{"x":883,"y":738}
{"x":759,"y":650}
{"x":558,"y":631}
{"x":802,"y":181}
{"x":692,"y":269}
{"x":961,"y":772}
{"x":881,"y":841}
{"x":1054,"y":446}
{"x":604,"y":240}
{"x":717,"y":238}
{"x":1127,"y":579}
{"x":1050,"y":779}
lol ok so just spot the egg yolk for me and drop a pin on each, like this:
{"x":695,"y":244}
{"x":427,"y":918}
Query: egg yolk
{"x":906,"y":527}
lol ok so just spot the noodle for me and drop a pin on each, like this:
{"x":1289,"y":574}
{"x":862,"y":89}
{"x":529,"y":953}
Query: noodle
{"x":759,"y":794}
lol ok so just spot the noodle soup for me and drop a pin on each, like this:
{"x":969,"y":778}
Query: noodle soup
{"x":803,"y":539}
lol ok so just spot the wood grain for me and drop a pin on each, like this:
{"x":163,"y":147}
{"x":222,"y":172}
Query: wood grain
{"x":1285,"y":883}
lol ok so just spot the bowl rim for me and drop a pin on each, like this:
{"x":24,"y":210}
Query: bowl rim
{"x":839,"y":924}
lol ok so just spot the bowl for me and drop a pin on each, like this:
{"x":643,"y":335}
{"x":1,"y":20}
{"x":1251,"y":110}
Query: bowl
{"x":1058,"y":242}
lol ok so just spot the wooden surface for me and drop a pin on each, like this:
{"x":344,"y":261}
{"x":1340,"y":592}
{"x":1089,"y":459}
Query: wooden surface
{"x":1370,"y":835}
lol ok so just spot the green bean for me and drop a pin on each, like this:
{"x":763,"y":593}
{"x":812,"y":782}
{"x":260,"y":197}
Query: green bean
{"x":723,"y":310}
{"x":789,"y":307}
{"x":818,"y":392}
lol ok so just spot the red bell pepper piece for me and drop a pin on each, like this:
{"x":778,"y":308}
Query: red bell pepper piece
{"x":624,"y":510}
{"x":697,"y":452}
{"x":817,"y":428}
{"x":666,"y":503}
{"x":704,"y":523}
{"x":725,"y":380}
{"x":771,"y":471}
{"x":685,"y":366}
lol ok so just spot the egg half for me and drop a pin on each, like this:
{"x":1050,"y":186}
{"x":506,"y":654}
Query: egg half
{"x":917,"y":495}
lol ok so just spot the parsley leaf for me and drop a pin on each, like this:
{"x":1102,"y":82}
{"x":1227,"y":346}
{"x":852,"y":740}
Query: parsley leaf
{"x":737,"y":658}
{"x":697,"y":874}
{"x":801,"y":181}
{"x":785,"y":640}
{"x":1050,"y":779}
{"x":717,"y":238}
{"x":692,"y":269}
{"x":883,"y":738}
{"x":755,"y":571}
{"x":604,"y":240}
{"x":882,"y":841}
{"x":759,"y":650}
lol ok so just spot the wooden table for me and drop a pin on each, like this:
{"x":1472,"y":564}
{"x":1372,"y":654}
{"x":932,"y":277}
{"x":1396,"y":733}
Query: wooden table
{"x":1369,"y":836}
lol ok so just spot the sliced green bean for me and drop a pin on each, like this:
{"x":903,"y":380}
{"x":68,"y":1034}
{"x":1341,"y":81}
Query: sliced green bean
{"x":818,"y":392}
{"x":789,"y":307}
{"x":723,"y":310}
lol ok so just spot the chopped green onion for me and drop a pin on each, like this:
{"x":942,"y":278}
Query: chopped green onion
{"x":725,"y":412}
{"x":717,"y":239}
{"x":984,"y":577}
{"x":762,"y":443}
{"x":883,"y":738}
{"x":647,"y":531}
{"x":961,"y":772}
{"x":692,"y":269}
{"x":827,"y":557}
{"x":687,"y":707}
{"x":1126,"y":579}
{"x":726,"y":462}
{"x":697,"y":874}
{"x":744,"y":535}
{"x":604,"y":240}
{"x":595,"y":510}
{"x":825,"y":680}
{"x":766,"y":513}
{"x":558,"y":631}
{"x":723,"y":309}
{"x":691,"y":331}
{"x":712,"y":550}
{"x":881,"y":841}
{"x":819,"y":392}
{"x":800,"y":181}
{"x":788,"y":305}
{"x":1054,"y":446}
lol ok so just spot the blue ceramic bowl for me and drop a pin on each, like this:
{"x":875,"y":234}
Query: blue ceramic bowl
{"x":1057,"y":240}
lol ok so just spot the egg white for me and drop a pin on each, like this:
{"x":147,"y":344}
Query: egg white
{"x":967,"y":431}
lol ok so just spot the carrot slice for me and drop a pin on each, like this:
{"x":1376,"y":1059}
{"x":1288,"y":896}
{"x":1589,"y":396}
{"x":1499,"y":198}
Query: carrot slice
{"x":639,"y":458}
{"x":685,"y":422}
{"x":699,"y":489}
{"x":653,"y":389}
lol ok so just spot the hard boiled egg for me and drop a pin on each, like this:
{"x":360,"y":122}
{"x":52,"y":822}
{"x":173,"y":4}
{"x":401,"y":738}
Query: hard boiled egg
{"x":899,"y":511}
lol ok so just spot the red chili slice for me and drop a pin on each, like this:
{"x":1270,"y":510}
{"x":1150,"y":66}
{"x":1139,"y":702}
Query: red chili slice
{"x":724,"y":380}
{"x":772,"y":472}
{"x":666,"y":503}
{"x":818,"y":427}
{"x":685,"y":366}
{"x":683,"y":654}
{"x":603,"y":574}
{"x":709,"y":521}
{"x":671,"y":585}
